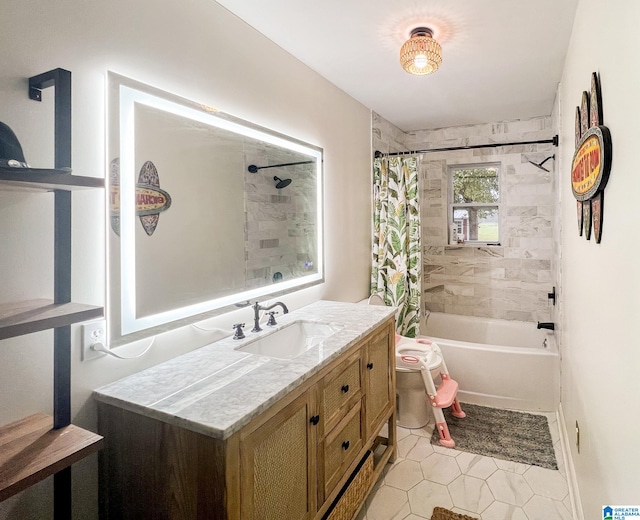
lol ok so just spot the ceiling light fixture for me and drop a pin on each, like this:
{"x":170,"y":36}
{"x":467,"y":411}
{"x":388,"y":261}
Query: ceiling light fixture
{"x":421,"y":54}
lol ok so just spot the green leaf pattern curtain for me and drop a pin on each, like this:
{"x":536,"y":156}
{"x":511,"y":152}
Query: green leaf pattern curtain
{"x":396,"y":270}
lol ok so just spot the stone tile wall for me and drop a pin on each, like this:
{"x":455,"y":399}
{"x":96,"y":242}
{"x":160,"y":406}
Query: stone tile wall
{"x":510,"y":281}
{"x":386,"y":137}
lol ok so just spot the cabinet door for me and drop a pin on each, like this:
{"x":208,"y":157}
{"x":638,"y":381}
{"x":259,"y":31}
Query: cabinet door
{"x":277,"y":467}
{"x":378,"y":379}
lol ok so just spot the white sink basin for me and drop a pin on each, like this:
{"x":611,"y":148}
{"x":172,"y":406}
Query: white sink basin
{"x":291,"y":340}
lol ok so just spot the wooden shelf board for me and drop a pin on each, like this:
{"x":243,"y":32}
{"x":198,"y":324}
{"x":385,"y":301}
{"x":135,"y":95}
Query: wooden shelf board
{"x":42,"y":179}
{"x":30,"y":451}
{"x":29,"y":316}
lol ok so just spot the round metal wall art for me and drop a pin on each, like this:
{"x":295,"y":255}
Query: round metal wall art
{"x":586,"y":211}
{"x":591,"y":163}
{"x":578,"y":132}
{"x":584,"y":113}
{"x":595,"y":102}
{"x":151,"y":200}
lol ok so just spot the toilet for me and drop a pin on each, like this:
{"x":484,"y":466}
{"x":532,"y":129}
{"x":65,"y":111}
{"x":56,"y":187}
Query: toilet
{"x":419,"y":366}
{"x":412,"y":404}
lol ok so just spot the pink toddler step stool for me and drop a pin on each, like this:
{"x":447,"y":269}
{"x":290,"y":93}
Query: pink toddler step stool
{"x":425,"y":355}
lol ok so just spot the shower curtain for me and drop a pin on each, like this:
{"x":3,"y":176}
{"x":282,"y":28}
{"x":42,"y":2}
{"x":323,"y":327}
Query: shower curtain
{"x":396,"y":271}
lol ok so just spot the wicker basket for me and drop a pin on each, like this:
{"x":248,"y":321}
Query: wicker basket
{"x":350,"y":498}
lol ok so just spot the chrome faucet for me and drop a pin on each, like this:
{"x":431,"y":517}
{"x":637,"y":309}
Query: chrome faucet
{"x":256,"y":314}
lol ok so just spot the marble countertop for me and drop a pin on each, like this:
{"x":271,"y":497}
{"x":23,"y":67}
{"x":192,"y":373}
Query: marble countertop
{"x":216,"y":390}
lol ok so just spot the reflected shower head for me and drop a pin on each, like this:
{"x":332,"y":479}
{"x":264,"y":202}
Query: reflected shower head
{"x":540,"y":165}
{"x":281,"y":183}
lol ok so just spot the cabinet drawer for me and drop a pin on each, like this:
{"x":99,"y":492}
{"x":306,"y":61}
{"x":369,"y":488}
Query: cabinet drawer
{"x":339,"y":392}
{"x":341,"y":446}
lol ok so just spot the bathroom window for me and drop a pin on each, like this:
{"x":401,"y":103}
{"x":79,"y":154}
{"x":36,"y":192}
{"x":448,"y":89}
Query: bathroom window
{"x":474,"y":202}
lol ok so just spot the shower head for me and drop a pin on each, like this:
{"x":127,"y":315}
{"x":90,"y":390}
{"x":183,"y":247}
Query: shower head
{"x":281,"y":183}
{"x":540,"y":165}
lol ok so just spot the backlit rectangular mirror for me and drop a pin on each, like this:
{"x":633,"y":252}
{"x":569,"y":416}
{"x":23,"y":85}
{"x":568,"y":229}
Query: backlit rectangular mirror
{"x":206,"y":211}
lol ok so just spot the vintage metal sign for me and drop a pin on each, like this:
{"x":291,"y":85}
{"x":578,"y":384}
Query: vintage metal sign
{"x":591,"y":163}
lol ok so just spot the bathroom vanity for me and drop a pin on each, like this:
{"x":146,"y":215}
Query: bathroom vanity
{"x":223,"y":433}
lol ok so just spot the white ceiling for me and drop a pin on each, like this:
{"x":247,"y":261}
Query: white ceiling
{"x":502,"y":59}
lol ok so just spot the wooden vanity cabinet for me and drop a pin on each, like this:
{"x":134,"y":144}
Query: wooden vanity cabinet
{"x":289,"y":463}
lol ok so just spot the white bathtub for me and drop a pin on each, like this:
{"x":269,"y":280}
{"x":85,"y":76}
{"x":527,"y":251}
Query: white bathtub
{"x":498,"y":363}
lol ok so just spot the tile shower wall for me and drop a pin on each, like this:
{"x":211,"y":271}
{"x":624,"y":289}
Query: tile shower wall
{"x":386,"y":137}
{"x":509,"y":281}
{"x":280,"y":224}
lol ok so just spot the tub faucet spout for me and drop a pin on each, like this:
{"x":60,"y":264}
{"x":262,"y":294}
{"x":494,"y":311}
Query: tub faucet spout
{"x":546,"y":325}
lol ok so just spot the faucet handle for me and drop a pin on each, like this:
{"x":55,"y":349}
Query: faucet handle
{"x":239,"y":332}
{"x":272,"y":319}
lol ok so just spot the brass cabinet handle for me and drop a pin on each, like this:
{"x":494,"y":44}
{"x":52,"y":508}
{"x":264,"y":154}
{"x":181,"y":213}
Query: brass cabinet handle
{"x":345,"y":389}
{"x":370,"y":366}
{"x":315,"y":420}
{"x":345,"y":445}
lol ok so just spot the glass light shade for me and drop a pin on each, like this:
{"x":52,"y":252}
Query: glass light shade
{"x":421,"y":54}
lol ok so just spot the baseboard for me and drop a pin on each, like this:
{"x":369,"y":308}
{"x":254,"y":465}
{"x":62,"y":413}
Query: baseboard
{"x":572,"y":481}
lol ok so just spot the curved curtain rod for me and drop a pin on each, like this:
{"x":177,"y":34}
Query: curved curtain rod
{"x":553,"y":141}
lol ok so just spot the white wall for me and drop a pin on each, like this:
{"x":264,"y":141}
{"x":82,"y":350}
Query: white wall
{"x":600,"y":283}
{"x":195,"y":49}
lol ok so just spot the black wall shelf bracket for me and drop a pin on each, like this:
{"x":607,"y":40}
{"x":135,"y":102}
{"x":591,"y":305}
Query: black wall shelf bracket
{"x":61,"y":80}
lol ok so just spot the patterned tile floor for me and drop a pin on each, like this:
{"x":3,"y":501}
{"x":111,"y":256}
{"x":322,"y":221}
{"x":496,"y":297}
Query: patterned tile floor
{"x":425,"y":476}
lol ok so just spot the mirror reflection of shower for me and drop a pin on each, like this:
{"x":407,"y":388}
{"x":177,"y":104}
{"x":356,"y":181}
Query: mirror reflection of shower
{"x":280,"y":228}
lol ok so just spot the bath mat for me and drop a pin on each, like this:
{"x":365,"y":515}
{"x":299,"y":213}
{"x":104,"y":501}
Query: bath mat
{"x":440,"y":513}
{"x":503,"y":434}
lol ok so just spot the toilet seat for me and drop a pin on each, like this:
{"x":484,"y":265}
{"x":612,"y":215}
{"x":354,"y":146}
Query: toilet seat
{"x":413,"y":355}
{"x":413,"y":358}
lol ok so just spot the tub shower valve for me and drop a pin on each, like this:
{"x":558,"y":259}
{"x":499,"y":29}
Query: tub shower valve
{"x":546,"y":325}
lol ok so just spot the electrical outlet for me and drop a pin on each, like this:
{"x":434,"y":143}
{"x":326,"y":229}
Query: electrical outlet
{"x":93,"y":332}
